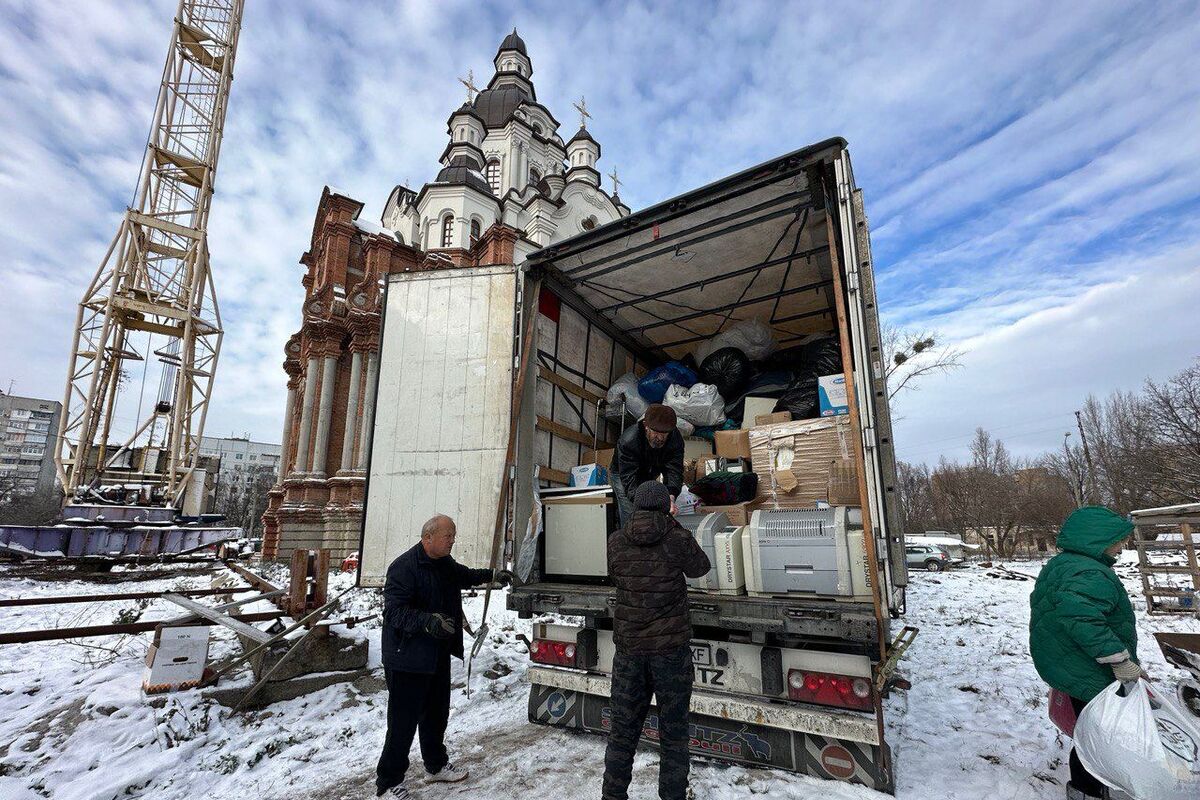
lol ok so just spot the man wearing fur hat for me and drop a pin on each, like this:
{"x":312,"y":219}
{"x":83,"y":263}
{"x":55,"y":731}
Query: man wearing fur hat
{"x":647,"y":451}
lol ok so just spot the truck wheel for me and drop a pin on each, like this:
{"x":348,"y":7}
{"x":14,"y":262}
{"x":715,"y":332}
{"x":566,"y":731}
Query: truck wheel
{"x":933,"y":566}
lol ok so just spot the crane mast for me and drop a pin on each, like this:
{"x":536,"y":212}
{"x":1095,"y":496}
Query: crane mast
{"x":153,"y":298}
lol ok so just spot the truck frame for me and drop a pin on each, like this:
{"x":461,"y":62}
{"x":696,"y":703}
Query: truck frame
{"x":785,"y":242}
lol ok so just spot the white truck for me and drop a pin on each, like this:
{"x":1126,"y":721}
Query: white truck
{"x":793,"y":682}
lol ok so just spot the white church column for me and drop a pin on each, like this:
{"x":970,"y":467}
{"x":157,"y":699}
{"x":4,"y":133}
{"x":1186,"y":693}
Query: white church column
{"x":306,"y":409}
{"x":325,"y":414}
{"x":368,"y":417}
{"x":289,"y":409}
{"x":351,"y":411}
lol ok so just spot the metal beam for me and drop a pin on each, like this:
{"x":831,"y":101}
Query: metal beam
{"x":24,"y":637}
{"x":10,"y":602}
{"x":216,"y":616}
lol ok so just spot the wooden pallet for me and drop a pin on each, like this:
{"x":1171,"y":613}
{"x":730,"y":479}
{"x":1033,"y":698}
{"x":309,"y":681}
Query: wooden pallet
{"x":1149,"y":526}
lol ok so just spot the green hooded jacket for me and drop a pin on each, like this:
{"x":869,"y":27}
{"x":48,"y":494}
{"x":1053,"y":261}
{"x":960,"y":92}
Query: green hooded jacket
{"x":1080,"y":611}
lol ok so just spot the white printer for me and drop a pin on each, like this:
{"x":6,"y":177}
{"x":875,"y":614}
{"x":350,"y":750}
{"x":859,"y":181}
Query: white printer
{"x":818,"y":552}
{"x":722,"y":543}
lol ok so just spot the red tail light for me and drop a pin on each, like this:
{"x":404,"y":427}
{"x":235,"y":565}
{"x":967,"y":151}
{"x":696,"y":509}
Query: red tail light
{"x":545,"y":651}
{"x":826,"y":689}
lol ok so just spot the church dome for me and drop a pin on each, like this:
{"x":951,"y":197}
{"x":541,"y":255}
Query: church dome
{"x":513,"y":42}
{"x":496,"y":105}
{"x":463,"y":171}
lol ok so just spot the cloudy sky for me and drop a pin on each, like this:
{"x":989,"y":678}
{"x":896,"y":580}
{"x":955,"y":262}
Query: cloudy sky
{"x":1032,"y":173}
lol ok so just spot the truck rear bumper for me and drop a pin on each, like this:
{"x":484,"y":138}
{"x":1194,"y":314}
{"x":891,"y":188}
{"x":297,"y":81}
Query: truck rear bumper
{"x":828,"y":745}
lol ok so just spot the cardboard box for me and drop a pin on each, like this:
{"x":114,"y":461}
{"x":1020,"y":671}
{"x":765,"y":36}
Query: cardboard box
{"x":601,"y":458}
{"x":738,"y":514}
{"x":831,"y":390}
{"x":801,"y":462}
{"x":176,"y":659}
{"x":773,"y":418}
{"x":755,"y":408}
{"x":732,"y":444}
{"x":695,"y":447}
{"x":589,"y":475}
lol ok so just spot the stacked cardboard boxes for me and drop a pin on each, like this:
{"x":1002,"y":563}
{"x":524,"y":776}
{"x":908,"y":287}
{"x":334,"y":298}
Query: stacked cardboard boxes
{"x":805,"y":461}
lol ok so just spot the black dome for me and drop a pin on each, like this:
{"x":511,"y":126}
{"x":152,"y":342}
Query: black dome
{"x":463,"y":172}
{"x":513,"y":42}
{"x":496,"y":105}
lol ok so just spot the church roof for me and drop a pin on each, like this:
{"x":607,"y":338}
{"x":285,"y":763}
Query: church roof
{"x":582,"y":135}
{"x":462,"y":171}
{"x":496,"y":105}
{"x":513,"y":42}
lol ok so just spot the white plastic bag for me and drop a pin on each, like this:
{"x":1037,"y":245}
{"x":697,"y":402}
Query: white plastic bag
{"x":626,"y":387}
{"x":687,"y":502}
{"x":700,"y":405}
{"x":1142,"y":744}
{"x":750,"y":336}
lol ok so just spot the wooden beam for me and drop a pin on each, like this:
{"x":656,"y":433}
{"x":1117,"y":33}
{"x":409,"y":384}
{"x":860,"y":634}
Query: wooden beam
{"x":212,"y":614}
{"x":558,"y":429}
{"x":553,"y":475}
{"x":567,"y":386}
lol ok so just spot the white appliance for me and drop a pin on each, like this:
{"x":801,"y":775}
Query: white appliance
{"x":574,"y":541}
{"x":818,"y":552}
{"x":722,"y":543}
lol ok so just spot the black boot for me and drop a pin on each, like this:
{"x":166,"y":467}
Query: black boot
{"x":1079,"y":794}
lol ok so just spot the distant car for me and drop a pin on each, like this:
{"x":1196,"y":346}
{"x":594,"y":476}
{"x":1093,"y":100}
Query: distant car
{"x":930,"y":557}
{"x":350,"y":562}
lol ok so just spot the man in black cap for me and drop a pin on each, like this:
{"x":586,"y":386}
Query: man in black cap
{"x":646,"y":451}
{"x":647,"y":561}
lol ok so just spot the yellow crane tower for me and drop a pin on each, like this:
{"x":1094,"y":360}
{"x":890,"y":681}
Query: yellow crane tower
{"x":153,"y":295}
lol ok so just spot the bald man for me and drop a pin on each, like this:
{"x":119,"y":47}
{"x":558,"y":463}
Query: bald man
{"x":422,"y":628}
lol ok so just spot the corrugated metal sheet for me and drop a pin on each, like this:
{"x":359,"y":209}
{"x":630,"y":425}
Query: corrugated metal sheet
{"x":441,"y":412}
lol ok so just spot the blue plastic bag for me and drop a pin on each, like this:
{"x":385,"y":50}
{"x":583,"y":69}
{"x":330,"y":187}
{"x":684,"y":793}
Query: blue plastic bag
{"x":654,"y":384}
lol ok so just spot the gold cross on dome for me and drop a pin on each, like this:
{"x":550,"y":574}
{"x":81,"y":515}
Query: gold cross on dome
{"x":469,"y":82}
{"x":584,"y":116}
{"x":616,"y":183}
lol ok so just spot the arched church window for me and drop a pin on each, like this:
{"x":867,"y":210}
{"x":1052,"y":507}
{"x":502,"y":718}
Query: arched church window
{"x":493,"y":174}
{"x":588,"y":223}
{"x":475,"y":230}
{"x":534,"y":175}
{"x":447,"y":230}
{"x":537,"y":129}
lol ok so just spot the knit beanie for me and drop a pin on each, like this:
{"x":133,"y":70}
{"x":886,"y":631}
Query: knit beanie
{"x":652,"y":496}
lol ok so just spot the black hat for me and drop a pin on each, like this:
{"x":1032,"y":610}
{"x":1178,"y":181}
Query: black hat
{"x":652,"y":496}
{"x":660,"y":418}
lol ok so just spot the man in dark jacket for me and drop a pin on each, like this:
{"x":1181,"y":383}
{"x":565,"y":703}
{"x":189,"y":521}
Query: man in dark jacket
{"x":1082,"y":631}
{"x":647,"y":560}
{"x":652,"y":448}
{"x":422,"y":628}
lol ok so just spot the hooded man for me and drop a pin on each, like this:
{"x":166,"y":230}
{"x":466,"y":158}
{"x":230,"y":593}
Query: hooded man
{"x":1082,"y":632}
{"x":648,"y":560}
{"x":646,"y":451}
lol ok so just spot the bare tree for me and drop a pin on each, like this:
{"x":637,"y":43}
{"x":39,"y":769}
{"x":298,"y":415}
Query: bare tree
{"x":1069,"y":465}
{"x":19,"y":506}
{"x":915,"y":354}
{"x":242,"y":502}
{"x":916,"y":497}
{"x":1173,"y":408}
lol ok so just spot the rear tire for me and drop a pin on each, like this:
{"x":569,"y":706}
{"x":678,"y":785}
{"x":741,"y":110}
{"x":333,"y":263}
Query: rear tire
{"x":933,"y":566}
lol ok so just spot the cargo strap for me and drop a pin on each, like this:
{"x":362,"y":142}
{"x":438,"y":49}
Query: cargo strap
{"x":895,"y":652}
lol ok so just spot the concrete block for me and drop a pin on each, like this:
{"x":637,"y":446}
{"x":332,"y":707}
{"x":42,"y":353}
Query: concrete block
{"x":319,"y":652}
{"x":276,"y":691}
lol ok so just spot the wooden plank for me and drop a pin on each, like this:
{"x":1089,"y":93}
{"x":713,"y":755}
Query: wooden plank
{"x":553,"y":475}
{"x":567,"y":386}
{"x":235,"y":625}
{"x":558,"y":429}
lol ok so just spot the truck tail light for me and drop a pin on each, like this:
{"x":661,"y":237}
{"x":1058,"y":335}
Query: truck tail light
{"x":546,"y":651}
{"x":827,"y":689}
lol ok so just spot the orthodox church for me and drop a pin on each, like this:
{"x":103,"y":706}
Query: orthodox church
{"x":508,"y":185}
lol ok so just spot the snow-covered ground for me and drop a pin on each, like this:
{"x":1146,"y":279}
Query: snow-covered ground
{"x":74,"y":724}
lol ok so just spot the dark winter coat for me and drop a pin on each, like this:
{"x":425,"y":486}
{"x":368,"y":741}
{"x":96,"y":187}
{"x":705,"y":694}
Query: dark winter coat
{"x":417,"y":587}
{"x":1080,"y":611}
{"x":638,"y":462}
{"x":647,"y":560}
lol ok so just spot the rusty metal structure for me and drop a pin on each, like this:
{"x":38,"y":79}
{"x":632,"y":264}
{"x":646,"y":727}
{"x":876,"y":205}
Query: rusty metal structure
{"x":153,"y":295}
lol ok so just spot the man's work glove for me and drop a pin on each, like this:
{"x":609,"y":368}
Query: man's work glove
{"x":440,"y":626}
{"x":503,"y":577}
{"x":1124,"y":668}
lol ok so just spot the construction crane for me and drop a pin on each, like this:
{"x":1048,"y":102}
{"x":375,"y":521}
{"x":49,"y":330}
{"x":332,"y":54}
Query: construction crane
{"x":153,"y":296}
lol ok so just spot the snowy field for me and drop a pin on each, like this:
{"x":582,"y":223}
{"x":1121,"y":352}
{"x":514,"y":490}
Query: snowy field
{"x":74,"y":724}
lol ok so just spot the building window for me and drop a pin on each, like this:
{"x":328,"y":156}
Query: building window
{"x":534,"y":175}
{"x":588,"y":223}
{"x":447,"y":230}
{"x":493,"y":175}
{"x":238,"y":457}
{"x":475,"y":230}
{"x":537,"y":129}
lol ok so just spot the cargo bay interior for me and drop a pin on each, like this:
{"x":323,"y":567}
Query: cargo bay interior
{"x":760,"y":251}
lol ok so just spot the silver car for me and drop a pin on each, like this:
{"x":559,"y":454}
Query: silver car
{"x":930,"y":557}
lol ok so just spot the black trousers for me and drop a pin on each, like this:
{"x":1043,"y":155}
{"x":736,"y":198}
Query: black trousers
{"x":667,"y":676}
{"x":415,"y":702}
{"x":1081,"y":779}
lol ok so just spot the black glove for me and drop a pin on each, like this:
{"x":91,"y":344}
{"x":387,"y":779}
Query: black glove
{"x":440,"y":626}
{"x":503,"y":577}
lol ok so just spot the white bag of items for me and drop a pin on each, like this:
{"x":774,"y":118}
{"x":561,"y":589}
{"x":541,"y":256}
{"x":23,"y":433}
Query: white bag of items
{"x":1142,"y":744}
{"x":750,"y":336}
{"x":625,"y":390}
{"x":700,"y":405}
{"x":685,"y":428}
{"x":687,"y":502}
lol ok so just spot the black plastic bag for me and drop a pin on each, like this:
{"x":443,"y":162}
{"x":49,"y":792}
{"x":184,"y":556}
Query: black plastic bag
{"x":801,"y":398}
{"x":823,"y":356}
{"x":728,"y":369}
{"x":766,"y":384}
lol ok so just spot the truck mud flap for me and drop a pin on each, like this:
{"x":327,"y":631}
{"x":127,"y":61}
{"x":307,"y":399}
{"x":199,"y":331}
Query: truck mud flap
{"x":725,"y":740}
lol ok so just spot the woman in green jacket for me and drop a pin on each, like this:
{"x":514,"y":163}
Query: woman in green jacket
{"x":1082,"y":632}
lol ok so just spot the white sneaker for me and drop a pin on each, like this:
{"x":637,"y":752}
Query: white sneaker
{"x":449,"y":774}
{"x":397,"y":793}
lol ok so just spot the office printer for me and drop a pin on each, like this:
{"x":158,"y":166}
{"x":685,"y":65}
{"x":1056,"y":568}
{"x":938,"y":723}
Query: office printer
{"x":818,"y":552}
{"x":722,"y":543}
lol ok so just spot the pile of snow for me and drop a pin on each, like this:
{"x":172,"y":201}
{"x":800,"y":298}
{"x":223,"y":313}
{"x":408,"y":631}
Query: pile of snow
{"x":74,"y":723}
